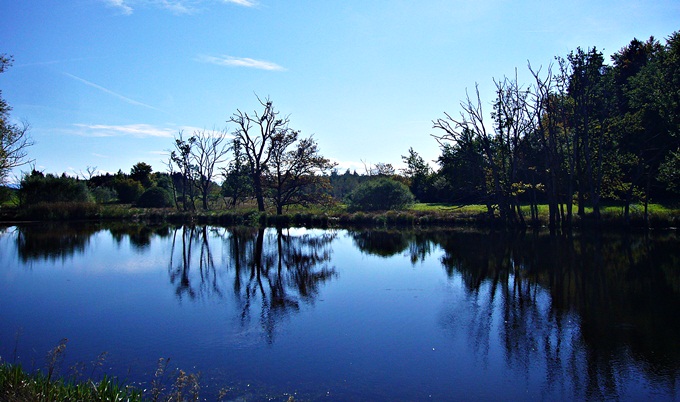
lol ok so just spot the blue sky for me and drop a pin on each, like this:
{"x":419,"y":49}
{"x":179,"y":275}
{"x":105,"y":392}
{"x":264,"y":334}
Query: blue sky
{"x":108,"y":83}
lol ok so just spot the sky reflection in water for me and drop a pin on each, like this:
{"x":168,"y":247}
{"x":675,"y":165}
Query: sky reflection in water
{"x":364,"y":315}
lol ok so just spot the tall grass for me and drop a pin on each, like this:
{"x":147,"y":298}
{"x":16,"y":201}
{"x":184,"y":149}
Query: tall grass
{"x":336,"y":215}
{"x":47,"y":385}
{"x":50,"y":385}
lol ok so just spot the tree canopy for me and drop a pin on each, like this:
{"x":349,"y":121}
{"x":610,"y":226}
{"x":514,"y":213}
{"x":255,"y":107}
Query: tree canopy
{"x":14,"y":138}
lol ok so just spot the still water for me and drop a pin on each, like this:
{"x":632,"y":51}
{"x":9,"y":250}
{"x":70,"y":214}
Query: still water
{"x":350,"y":314}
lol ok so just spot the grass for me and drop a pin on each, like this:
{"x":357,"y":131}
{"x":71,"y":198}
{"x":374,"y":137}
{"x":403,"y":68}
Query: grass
{"x":16,"y":384}
{"x":50,"y":385}
{"x":421,"y":214}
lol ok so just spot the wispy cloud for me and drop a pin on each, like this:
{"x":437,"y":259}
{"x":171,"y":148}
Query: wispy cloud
{"x":110,"y":92}
{"x":176,"y":6}
{"x":230,"y":61}
{"x":131,"y":130}
{"x":134,"y":130}
{"x":244,"y":3}
{"x":120,"y":5}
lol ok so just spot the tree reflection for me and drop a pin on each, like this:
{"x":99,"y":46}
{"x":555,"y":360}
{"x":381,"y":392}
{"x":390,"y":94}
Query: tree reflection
{"x":191,"y":251}
{"x":52,"y":241}
{"x":61,"y":240}
{"x":138,"y":234}
{"x":386,"y":243}
{"x":382,"y":243}
{"x":274,"y":271}
{"x":592,"y":309}
{"x":582,"y":305}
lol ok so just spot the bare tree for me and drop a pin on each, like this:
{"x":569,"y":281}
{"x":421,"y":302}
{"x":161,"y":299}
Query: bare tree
{"x":256,"y":133}
{"x":500,"y":147}
{"x":91,"y":170}
{"x":209,"y":149}
{"x":14,"y":138}
{"x":471,"y":121}
{"x":548,"y":108}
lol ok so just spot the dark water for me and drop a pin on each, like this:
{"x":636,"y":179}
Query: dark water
{"x":350,"y":315}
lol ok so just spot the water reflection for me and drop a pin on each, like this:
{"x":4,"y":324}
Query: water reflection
{"x":587,"y":314}
{"x":586,"y":305}
{"x":387,"y":243}
{"x":52,"y":242}
{"x":276,"y":272}
{"x":139,"y":235}
{"x":273,"y":271}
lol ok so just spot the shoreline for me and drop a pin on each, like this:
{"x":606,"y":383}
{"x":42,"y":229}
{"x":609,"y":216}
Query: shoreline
{"x":410,"y":218}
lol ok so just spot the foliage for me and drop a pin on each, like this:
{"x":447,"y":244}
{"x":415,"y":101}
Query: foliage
{"x":14,"y":138}
{"x":37,"y":187}
{"x":295,"y":176}
{"x":6,"y":194}
{"x":255,"y":133}
{"x":343,"y":184}
{"x":282,"y":167}
{"x":181,"y":157}
{"x":237,"y":185}
{"x":128,"y":189}
{"x":59,"y":211}
{"x":141,"y":172}
{"x":669,"y":172}
{"x":380,"y":194}
{"x":104,"y":194}
{"x":586,"y":131}
{"x":155,"y":197}
{"x":420,"y":176}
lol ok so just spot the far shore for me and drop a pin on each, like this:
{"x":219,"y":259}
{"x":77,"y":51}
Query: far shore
{"x":418,"y":215}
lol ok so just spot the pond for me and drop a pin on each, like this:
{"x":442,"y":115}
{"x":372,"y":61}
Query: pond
{"x":263,"y":314}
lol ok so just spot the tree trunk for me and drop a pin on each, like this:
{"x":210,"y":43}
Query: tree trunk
{"x":206,"y":191}
{"x":257,"y":184}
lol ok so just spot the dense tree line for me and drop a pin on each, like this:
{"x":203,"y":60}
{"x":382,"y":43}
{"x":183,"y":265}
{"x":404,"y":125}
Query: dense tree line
{"x":582,"y":133}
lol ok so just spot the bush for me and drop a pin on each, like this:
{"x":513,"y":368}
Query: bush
{"x":128,"y":190}
{"x":57,"y":211}
{"x":5,"y":194}
{"x":39,"y":188}
{"x":104,"y":194}
{"x":155,"y":197}
{"x":380,"y":195}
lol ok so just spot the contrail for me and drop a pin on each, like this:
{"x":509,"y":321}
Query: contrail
{"x":119,"y":96}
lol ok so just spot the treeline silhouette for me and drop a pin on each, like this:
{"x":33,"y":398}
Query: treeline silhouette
{"x":582,"y":134}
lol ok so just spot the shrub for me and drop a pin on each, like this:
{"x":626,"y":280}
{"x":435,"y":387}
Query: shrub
{"x":5,"y":194}
{"x":128,"y":190}
{"x":39,"y":188}
{"x":57,"y":211}
{"x":104,"y":194}
{"x":155,"y":197}
{"x":380,"y":195}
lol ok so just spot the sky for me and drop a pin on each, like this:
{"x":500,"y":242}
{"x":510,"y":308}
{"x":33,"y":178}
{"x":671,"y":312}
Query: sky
{"x":109,"y":83}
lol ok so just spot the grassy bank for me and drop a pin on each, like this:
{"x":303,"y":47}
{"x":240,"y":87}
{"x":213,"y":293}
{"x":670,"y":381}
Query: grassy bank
{"x":18,"y":385}
{"x":84,"y":382}
{"x":660,"y":216}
